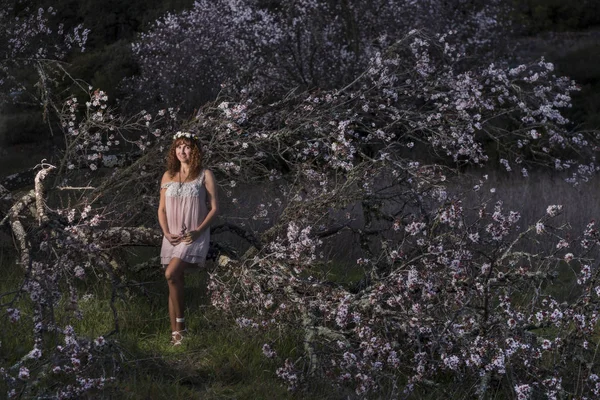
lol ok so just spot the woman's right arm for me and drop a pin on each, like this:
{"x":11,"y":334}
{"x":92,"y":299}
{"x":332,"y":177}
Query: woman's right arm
{"x":162,"y":213}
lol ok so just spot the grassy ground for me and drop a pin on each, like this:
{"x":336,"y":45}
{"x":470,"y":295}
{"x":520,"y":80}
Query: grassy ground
{"x":218,"y":361}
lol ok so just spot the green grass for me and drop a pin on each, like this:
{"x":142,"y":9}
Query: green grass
{"x":217,"y":361}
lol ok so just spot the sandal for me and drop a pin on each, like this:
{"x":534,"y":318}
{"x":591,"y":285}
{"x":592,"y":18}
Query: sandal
{"x":177,"y":337}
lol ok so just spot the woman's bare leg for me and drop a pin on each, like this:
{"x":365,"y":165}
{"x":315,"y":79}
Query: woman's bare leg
{"x":175,"y":279}
{"x":172,"y":313}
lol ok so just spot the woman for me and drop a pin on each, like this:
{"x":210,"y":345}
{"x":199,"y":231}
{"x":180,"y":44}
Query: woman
{"x":185,"y":190}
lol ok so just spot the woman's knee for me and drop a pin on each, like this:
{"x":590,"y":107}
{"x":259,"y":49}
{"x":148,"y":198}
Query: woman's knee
{"x":171,"y":275}
{"x":174,"y":273}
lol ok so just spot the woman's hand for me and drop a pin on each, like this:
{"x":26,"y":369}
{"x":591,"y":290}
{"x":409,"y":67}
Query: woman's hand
{"x":173,"y":239}
{"x":191,"y":236}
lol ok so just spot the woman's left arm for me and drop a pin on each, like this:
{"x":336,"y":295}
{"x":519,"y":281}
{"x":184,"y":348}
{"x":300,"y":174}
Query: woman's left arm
{"x":211,"y":196}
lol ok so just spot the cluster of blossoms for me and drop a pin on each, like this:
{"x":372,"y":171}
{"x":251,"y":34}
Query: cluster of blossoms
{"x":72,"y":363}
{"x":96,"y":136}
{"x":288,"y":374}
{"x":235,"y":112}
{"x":300,"y":246}
{"x":241,"y":42}
{"x":32,"y":36}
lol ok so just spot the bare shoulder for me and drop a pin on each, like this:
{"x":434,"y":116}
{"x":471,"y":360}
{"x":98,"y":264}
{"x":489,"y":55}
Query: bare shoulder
{"x":208,"y":175}
{"x":165,"y":178}
{"x":211,"y":187}
{"x":209,"y":180}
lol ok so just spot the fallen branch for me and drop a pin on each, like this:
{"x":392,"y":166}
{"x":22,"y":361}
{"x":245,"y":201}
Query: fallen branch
{"x":136,"y":236}
{"x":21,"y":237}
{"x":40,"y":202}
{"x":19,"y":206}
{"x":241,"y":232}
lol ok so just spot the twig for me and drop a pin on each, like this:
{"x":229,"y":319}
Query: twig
{"x":76,"y":188}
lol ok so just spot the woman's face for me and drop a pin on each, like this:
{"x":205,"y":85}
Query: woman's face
{"x":183,"y":152}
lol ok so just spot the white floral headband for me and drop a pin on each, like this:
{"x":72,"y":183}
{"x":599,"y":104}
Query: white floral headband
{"x":186,"y":135}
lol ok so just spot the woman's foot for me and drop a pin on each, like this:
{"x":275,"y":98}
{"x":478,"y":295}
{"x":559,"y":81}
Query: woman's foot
{"x":177,"y":337}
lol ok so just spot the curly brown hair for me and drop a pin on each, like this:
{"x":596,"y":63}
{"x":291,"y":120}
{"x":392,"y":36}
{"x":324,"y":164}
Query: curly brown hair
{"x":173,"y":163}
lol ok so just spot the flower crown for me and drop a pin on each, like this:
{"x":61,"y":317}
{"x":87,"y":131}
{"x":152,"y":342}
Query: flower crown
{"x":186,"y":135}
